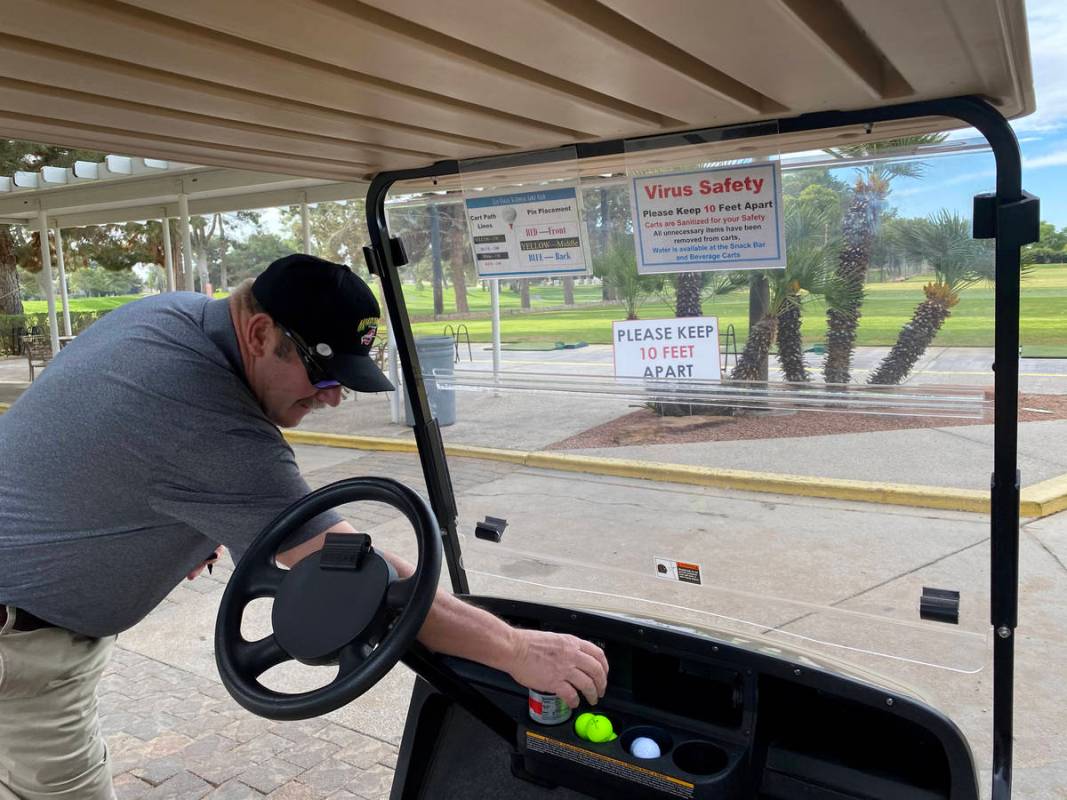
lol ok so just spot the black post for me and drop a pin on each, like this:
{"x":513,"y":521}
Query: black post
{"x":382,"y":259}
{"x":1011,"y":216}
{"x":435,"y":251}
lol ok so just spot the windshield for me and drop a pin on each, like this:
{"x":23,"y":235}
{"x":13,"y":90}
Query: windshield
{"x":758,"y":506}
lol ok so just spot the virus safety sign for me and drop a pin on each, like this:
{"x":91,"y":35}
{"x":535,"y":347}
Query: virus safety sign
{"x":725,"y":218}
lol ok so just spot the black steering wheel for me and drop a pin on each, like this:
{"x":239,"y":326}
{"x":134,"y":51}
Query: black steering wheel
{"x":342,"y":605}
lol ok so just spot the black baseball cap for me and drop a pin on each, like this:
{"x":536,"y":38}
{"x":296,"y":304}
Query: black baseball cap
{"x":332,"y":310}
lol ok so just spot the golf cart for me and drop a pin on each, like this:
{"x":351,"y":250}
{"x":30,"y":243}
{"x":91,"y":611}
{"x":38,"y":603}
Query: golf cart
{"x":744,"y":692}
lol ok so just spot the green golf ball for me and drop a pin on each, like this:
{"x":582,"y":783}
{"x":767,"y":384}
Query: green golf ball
{"x":600,"y":730}
{"x":581,"y":725}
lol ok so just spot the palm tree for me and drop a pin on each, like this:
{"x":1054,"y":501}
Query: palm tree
{"x":944,"y":241}
{"x":869,"y":194}
{"x":809,"y":273}
{"x":687,"y":286}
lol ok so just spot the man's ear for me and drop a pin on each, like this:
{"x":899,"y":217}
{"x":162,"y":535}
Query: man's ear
{"x":259,"y":332}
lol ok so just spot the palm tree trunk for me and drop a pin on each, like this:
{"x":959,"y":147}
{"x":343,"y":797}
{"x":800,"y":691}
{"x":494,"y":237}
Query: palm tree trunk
{"x":687,"y":294}
{"x":858,"y":234}
{"x":791,"y":345}
{"x":10,"y":296}
{"x":757,"y":346}
{"x":912,"y":342}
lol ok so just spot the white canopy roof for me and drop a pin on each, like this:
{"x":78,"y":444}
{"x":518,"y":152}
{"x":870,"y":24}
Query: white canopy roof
{"x":121,"y":189}
{"x":340,"y":89}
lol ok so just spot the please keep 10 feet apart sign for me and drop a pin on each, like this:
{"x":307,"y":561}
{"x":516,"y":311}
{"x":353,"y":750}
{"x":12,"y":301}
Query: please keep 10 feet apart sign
{"x":685,"y":348}
{"x":725,"y":218}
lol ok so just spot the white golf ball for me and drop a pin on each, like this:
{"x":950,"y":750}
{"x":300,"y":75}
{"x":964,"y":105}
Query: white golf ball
{"x":643,"y":747}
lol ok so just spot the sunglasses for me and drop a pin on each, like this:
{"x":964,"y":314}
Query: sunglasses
{"x":318,"y":376}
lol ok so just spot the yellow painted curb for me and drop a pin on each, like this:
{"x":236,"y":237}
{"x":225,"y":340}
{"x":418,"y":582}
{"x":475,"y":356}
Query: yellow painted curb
{"x":1045,"y":498}
{"x":1040,"y":500}
{"x":770,"y":482}
{"x":380,"y":443}
{"x":765,"y":482}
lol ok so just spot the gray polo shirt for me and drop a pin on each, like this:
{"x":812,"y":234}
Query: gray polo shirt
{"x":135,"y":452}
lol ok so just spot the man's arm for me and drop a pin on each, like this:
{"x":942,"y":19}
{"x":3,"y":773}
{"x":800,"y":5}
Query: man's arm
{"x":548,"y":662}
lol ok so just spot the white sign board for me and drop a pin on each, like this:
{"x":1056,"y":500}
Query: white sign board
{"x":527,"y":234}
{"x":727,"y":218}
{"x":664,"y":349}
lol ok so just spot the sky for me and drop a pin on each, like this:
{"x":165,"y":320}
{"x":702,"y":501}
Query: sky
{"x":951,"y":182}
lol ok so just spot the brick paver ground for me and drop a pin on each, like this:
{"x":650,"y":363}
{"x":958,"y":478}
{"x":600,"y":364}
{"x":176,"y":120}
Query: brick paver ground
{"x":178,"y":736}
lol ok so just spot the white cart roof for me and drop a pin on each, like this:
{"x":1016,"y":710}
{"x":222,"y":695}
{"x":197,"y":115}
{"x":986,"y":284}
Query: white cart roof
{"x":340,"y":90}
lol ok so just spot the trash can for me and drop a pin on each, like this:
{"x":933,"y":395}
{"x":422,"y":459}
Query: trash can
{"x":435,"y":353}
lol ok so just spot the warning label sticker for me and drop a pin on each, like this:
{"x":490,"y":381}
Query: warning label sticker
{"x":675,"y":787}
{"x":670,"y":570}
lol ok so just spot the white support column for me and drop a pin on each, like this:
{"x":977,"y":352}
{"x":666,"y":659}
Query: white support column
{"x":305,"y":224}
{"x":49,"y":289}
{"x":168,"y":256}
{"x":62,"y":281}
{"x":494,"y":294}
{"x":187,"y":242}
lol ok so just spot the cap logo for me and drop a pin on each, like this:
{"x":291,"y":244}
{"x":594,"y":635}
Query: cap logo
{"x":368,"y":329}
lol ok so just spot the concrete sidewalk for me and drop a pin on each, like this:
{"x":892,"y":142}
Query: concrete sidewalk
{"x":174,"y":732}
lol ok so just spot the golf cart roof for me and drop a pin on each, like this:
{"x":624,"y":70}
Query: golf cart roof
{"x":344,"y":90}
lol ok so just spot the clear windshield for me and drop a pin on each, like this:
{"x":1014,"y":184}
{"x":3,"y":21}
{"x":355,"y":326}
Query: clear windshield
{"x":765,"y":509}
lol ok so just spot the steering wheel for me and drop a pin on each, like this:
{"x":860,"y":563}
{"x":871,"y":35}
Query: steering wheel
{"x":342,"y":605}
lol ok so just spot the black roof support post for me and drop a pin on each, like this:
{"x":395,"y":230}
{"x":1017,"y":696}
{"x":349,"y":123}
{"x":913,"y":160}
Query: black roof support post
{"x":1010,"y":215}
{"x":384,"y":256}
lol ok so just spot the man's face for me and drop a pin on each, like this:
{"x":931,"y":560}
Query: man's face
{"x":283,"y":389}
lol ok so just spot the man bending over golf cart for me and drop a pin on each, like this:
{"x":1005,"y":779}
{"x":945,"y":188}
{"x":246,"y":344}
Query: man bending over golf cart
{"x":152,"y":440}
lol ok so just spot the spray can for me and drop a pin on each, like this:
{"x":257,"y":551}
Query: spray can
{"x":548,"y":709}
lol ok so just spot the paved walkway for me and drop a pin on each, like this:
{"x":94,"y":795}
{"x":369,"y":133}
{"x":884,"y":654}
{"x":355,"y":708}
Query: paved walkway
{"x":175,"y":733}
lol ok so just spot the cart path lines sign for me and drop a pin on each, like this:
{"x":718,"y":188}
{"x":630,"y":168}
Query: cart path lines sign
{"x":682,"y":571}
{"x":662,"y":349}
{"x":526,"y":234}
{"x":726,"y":218}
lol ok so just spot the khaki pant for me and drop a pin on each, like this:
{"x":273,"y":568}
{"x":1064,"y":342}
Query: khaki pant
{"x":51,"y":747}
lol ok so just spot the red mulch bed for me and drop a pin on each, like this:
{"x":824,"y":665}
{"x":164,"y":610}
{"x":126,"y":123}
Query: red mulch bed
{"x":647,"y":427}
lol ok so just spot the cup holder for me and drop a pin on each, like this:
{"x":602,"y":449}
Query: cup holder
{"x":658,"y":735}
{"x":700,"y":758}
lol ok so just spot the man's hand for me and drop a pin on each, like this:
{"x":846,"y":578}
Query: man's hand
{"x":203,"y":564}
{"x":561,"y":664}
{"x":546,"y":662}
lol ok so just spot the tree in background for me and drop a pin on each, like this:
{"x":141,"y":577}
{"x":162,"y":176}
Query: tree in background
{"x":413,"y":225}
{"x":1050,"y":248}
{"x":96,"y":281}
{"x":16,"y":155}
{"x":248,"y":258}
{"x":944,"y":241}
{"x":617,"y":267}
{"x":868,"y":199}
{"x":809,"y":274}
{"x":606,"y":211}
{"x":687,"y":288}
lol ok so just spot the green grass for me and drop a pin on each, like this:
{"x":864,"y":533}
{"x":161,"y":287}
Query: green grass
{"x":887,"y":308}
{"x":81,"y":303}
